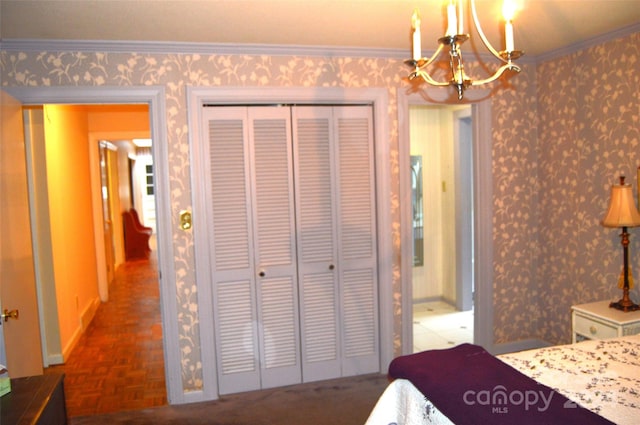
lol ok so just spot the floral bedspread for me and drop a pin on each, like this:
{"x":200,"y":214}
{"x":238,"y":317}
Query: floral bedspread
{"x":602,"y":376}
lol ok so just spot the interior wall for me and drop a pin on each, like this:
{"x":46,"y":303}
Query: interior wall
{"x":71,"y":218}
{"x":119,"y":118}
{"x":589,"y":134}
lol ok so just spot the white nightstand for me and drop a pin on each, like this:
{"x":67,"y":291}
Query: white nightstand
{"x":598,"y":321}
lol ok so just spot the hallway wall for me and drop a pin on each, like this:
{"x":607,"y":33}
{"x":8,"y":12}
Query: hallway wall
{"x":71,"y":221}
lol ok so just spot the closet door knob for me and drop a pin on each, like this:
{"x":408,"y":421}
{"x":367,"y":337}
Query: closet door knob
{"x":261,"y":273}
{"x":331,"y":267}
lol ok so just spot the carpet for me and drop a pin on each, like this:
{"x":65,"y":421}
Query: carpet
{"x":343,"y":401}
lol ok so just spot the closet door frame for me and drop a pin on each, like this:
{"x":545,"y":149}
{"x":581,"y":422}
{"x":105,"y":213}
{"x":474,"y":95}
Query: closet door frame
{"x":376,"y":97}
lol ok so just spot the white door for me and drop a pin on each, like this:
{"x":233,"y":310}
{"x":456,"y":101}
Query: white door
{"x":294,"y":277}
{"x":316,"y":202}
{"x":274,"y":245}
{"x":253,"y":253}
{"x":17,"y":274}
{"x":337,"y":260}
{"x":357,"y":241}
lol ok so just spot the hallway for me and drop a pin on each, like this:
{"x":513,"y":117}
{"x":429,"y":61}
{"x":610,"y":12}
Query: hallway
{"x":118,"y":363}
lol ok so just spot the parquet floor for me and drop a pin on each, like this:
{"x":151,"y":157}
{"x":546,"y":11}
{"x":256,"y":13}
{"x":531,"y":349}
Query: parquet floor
{"x":118,"y":364}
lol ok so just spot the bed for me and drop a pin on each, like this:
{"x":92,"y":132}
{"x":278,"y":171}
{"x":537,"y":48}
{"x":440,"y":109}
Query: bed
{"x":594,"y":382}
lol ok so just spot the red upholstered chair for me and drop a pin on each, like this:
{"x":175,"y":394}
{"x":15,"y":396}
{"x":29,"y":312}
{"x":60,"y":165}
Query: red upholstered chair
{"x":141,"y":226}
{"x":136,"y":237}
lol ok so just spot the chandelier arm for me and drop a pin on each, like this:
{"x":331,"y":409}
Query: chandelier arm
{"x":432,"y":58}
{"x":486,"y":43}
{"x":427,"y":78}
{"x":497,"y":74}
{"x":423,"y":63}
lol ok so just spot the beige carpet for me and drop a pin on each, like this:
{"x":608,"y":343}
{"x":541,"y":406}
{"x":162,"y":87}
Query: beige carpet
{"x":344,"y":401}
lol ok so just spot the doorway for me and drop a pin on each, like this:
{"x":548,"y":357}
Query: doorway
{"x":155,"y":98}
{"x":442,"y":210}
{"x":90,"y":164}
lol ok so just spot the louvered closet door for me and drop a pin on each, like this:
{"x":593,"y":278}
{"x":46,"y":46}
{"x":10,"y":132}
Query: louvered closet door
{"x":274,"y":241}
{"x":232,"y":260}
{"x":317,"y":244}
{"x":358,"y":275}
{"x":253,"y":255}
{"x":335,"y":204}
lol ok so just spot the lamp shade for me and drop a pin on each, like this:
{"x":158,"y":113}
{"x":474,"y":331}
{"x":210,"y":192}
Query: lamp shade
{"x":622,"y":210}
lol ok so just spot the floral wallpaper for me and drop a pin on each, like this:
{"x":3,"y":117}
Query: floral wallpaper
{"x":589,"y":134}
{"x":562,"y":132}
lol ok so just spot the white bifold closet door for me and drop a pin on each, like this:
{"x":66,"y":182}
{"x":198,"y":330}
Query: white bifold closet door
{"x":335,"y":210}
{"x":293,"y":245}
{"x":253,"y":256}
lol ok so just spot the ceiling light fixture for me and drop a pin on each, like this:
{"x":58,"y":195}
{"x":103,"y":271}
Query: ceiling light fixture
{"x":454,"y":37}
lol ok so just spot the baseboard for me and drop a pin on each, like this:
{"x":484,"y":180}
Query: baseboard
{"x":89,"y":313}
{"x":429,"y":299}
{"x":53,"y":359}
{"x":85,"y":319}
{"x":526,"y":344}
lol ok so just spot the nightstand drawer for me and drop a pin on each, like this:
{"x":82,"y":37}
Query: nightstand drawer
{"x":593,"y":329}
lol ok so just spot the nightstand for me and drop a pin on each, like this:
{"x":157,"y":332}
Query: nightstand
{"x":598,"y":321}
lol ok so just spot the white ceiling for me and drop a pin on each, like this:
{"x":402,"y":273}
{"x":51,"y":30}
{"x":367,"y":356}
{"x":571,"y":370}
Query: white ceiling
{"x":540,"y":27}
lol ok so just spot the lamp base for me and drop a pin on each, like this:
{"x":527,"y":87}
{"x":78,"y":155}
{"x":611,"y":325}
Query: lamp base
{"x":625,"y":305}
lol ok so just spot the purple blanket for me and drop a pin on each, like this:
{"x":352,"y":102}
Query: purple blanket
{"x":470,"y":386}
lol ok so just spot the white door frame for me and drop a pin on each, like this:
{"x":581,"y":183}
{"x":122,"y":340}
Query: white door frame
{"x":154,"y":96}
{"x":463,"y":168}
{"x":483,"y":213}
{"x":199,"y":96}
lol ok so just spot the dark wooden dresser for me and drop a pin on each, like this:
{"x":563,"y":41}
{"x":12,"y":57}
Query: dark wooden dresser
{"x":34,"y":400}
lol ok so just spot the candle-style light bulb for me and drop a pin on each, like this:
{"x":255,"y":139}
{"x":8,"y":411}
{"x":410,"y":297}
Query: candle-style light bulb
{"x":461,"y":17}
{"x":508,"y":12}
{"x":452,"y":22}
{"x":415,"y":25}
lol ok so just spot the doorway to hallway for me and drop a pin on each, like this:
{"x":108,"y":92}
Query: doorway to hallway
{"x":101,"y":139}
{"x":443,"y":236}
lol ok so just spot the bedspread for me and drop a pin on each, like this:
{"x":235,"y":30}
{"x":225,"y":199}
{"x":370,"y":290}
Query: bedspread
{"x":602,"y":376}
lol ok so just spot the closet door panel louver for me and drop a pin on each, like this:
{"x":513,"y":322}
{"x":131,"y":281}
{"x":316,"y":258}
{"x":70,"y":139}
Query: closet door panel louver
{"x":357,"y":239}
{"x":232,"y":256}
{"x":316,"y":235}
{"x":274,"y":243}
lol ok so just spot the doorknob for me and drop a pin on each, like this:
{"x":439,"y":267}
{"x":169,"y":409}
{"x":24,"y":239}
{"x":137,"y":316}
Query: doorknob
{"x":13,"y":314}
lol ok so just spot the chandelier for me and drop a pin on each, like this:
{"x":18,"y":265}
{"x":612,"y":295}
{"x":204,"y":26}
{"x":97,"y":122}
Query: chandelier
{"x":452,"y":40}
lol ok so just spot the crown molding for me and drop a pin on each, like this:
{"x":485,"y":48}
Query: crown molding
{"x":158,"y":47}
{"x":107,"y":46}
{"x":590,"y":42}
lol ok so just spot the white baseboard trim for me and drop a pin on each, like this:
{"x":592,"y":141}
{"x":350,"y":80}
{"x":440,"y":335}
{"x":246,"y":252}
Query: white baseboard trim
{"x":54,"y":359}
{"x":85,"y":319}
{"x":89,"y":313}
